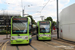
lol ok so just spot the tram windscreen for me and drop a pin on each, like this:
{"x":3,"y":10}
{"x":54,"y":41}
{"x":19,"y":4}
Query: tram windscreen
{"x":20,"y":25}
{"x":44,"y":27}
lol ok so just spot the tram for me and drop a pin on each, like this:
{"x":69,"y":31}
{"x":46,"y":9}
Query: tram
{"x":43,"y":30}
{"x":20,"y":30}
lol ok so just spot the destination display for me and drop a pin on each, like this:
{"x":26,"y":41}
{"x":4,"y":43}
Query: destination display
{"x":20,"y":19}
{"x":44,"y":23}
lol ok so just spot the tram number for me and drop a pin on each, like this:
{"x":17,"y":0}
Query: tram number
{"x":19,"y":37}
{"x":44,"y":35}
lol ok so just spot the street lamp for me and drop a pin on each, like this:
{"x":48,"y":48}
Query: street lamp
{"x":23,"y":10}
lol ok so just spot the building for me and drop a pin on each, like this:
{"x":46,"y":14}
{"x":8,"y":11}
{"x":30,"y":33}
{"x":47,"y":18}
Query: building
{"x":5,"y":20}
{"x":67,"y":23}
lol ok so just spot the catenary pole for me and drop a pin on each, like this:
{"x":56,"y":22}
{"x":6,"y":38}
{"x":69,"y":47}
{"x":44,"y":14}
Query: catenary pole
{"x":57,"y":21}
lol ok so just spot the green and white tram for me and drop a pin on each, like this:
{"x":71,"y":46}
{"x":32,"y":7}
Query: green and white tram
{"x":20,"y":30}
{"x":43,"y":30}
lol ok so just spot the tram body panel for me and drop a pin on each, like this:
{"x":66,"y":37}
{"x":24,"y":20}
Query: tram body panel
{"x":46,"y":35}
{"x":20,"y":31}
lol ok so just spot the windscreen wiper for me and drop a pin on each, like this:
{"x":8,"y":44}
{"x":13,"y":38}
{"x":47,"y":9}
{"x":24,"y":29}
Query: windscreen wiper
{"x":18,"y":29}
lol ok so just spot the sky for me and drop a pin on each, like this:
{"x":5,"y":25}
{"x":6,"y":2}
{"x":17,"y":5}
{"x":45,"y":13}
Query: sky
{"x":35,"y":7}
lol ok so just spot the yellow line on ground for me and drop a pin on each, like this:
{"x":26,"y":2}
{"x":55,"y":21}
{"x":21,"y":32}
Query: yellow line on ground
{"x":1,"y":44}
{"x":4,"y":45}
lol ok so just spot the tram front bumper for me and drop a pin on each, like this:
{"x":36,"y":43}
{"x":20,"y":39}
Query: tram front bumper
{"x":19,"y":41}
{"x":44,"y":38}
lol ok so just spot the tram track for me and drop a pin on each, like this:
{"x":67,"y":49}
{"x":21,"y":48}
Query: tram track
{"x":52,"y":45}
{"x":66,"y":41}
{"x":65,"y":46}
{"x":33,"y":47}
{"x":61,"y":42}
{"x":29,"y":45}
{"x":46,"y":42}
{"x":17,"y":47}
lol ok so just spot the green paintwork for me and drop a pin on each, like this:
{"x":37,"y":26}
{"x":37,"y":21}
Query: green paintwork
{"x":20,"y":41}
{"x":43,"y":37}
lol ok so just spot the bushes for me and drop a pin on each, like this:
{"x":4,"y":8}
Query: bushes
{"x":4,"y":32}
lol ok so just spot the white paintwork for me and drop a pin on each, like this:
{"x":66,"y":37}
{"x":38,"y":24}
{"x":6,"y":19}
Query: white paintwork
{"x":30,"y":36}
{"x":16,"y":37}
{"x":67,"y":23}
{"x":48,"y":35}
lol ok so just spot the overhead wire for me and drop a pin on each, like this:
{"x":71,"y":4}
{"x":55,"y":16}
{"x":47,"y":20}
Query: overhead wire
{"x":44,"y":6}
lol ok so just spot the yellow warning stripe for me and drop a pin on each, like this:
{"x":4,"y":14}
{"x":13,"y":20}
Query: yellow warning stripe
{"x":4,"y":46}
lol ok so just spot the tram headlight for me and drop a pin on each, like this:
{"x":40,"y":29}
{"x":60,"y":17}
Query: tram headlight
{"x":13,"y":38}
{"x":40,"y":35}
{"x":26,"y":37}
{"x":48,"y":35}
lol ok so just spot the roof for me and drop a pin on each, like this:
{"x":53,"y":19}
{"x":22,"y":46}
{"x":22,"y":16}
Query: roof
{"x":10,"y":13}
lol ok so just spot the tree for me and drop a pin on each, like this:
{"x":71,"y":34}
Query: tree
{"x":53,"y":23}
{"x":49,"y":19}
{"x":19,"y":16}
{"x":32,"y":20}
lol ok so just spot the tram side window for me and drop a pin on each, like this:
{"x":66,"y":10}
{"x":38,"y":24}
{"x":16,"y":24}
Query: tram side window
{"x":30,"y":29}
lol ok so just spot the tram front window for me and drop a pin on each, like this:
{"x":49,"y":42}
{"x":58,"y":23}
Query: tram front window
{"x":44,"y":28}
{"x":19,"y":27}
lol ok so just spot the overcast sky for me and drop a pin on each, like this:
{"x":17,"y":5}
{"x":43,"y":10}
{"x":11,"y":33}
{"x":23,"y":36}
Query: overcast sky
{"x":34,"y":7}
